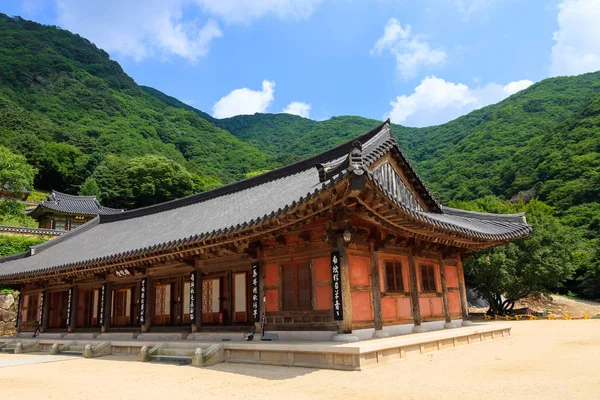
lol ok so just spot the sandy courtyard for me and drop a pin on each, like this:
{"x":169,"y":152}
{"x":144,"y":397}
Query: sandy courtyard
{"x":542,"y":359}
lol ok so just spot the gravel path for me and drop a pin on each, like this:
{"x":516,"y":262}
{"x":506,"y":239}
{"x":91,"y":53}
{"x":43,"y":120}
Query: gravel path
{"x":542,"y":359}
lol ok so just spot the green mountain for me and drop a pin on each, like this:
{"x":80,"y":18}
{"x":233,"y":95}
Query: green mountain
{"x":66,"y":106}
{"x":88,"y":127}
{"x":541,"y":142}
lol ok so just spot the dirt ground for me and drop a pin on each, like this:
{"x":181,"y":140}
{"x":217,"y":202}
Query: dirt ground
{"x":556,"y":305}
{"x":541,"y":360}
{"x":559,"y":305}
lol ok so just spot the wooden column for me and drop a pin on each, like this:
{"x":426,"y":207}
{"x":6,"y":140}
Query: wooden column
{"x":414,"y":293}
{"x":108,"y":295}
{"x":376,"y":287}
{"x":447,"y":317}
{"x":464,"y":307}
{"x":345,"y":326}
{"x":19,"y":309}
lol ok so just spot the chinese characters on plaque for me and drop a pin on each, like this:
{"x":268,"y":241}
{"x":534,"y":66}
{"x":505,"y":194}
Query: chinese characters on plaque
{"x":69,"y":300}
{"x":193,"y":298}
{"x":102,"y":298}
{"x":143,"y":300}
{"x":255,"y":295}
{"x":336,"y":284}
{"x":41,"y":307}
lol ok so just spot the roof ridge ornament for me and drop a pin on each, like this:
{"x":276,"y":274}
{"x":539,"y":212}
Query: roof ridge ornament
{"x":356,"y":158}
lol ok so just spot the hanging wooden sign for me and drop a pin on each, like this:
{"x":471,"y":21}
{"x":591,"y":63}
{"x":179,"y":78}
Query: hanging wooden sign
{"x":102,"y":303}
{"x":193,"y":297}
{"x":122,"y":273}
{"x":69,"y":304}
{"x":336,"y":285}
{"x":40,"y":317}
{"x":255,"y":295}
{"x":143,"y":289}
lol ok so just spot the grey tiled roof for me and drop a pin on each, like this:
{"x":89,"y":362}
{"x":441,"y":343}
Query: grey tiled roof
{"x":30,"y":231}
{"x":69,"y":204}
{"x":231,"y":208}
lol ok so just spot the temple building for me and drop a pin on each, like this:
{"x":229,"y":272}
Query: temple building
{"x":348,"y":244}
{"x":63,"y":212}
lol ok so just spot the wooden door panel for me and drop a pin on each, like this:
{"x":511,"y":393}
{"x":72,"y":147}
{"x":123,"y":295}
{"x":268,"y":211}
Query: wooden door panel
{"x":211,"y":302}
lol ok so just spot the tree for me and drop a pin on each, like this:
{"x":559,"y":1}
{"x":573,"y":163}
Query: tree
{"x":539,"y":264}
{"x":90,"y":188}
{"x":155,"y":179}
{"x":15,"y":174}
{"x":15,"y":177}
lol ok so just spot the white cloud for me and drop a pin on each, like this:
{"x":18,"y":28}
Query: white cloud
{"x":577,"y":41}
{"x":411,"y":51}
{"x":298,"y":108}
{"x":246,"y":10}
{"x":155,"y":29}
{"x":245,"y":101}
{"x":159,"y":28}
{"x":436,"y":101}
{"x":516,"y":86}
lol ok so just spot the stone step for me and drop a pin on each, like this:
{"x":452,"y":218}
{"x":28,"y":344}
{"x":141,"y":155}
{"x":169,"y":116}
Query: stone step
{"x":171,"y":359}
{"x":9,"y":350}
{"x":175,"y":352}
{"x":216,"y":336}
{"x":72,"y":352}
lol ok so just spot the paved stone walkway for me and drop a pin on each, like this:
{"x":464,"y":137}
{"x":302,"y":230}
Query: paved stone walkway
{"x":28,"y":360}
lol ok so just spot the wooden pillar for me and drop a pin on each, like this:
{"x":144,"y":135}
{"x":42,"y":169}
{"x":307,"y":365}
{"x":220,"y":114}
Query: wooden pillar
{"x":464,"y":306}
{"x":346,"y":325}
{"x":19,"y":309}
{"x":44,"y":310}
{"x":106,"y":313}
{"x":447,"y":318}
{"x":72,"y":309}
{"x":414,"y":293}
{"x":376,"y":287}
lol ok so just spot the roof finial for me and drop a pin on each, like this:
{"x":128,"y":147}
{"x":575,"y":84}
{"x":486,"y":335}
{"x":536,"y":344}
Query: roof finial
{"x":356,"y":159}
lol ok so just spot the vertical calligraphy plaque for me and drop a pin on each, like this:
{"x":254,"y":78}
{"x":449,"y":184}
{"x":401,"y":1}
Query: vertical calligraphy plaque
{"x":143,"y":290}
{"x":193,"y":297}
{"x":102,"y":304}
{"x":41,"y":316}
{"x":69,"y":306}
{"x":336,"y":285}
{"x":255,"y":294}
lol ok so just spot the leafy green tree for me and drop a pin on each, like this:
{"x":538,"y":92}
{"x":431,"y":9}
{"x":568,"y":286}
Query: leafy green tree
{"x":539,"y":264}
{"x":156,"y":179}
{"x":90,"y":188}
{"x":15,"y":174}
{"x":15,"y":177}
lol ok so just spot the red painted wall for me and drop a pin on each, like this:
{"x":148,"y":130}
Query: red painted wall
{"x":361,"y":306}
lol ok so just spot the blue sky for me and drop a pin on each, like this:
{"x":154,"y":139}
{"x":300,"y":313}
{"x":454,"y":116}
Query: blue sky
{"x":419,"y":62}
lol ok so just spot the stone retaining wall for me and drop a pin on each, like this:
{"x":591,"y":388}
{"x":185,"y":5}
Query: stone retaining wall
{"x":8,"y":313}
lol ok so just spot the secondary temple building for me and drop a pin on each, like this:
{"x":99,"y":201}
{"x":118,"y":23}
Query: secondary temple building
{"x":346,"y":244}
{"x":63,"y":212}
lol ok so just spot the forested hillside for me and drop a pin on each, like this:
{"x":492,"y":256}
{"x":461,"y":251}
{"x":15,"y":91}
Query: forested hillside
{"x":73,"y":113}
{"x":87,"y":127}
